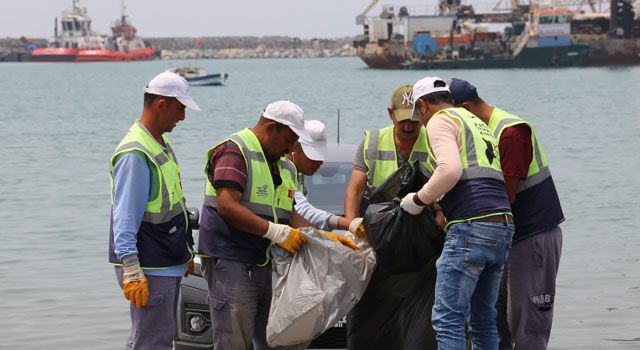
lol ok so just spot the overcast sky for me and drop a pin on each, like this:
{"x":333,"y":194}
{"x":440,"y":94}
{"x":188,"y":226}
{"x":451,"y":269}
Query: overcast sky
{"x":175,"y":18}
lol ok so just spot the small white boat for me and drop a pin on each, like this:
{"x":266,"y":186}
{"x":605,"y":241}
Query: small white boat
{"x":200,"y":77}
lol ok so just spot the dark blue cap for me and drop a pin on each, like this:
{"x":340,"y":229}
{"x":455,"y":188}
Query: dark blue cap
{"x":462,"y":91}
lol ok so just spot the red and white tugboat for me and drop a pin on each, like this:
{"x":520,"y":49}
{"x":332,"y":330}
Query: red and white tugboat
{"x":79,"y":43}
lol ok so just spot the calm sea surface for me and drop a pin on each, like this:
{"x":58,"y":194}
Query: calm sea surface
{"x":61,"y":122}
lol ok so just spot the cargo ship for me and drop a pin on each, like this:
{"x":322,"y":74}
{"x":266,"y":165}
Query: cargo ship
{"x":77,"y":42}
{"x":452,"y":35}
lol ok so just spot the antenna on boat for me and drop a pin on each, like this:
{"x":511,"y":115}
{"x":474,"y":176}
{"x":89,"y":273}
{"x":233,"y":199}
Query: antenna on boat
{"x":338,"y":140}
{"x":75,"y":5}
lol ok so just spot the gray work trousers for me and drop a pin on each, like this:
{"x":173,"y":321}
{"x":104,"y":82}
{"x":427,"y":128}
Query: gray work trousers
{"x":153,"y":326}
{"x":527,"y":293}
{"x":239,"y":299}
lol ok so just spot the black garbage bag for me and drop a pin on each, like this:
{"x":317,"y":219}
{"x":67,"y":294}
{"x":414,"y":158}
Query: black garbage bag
{"x":402,"y":242}
{"x":395,"y":310}
{"x":408,"y":178}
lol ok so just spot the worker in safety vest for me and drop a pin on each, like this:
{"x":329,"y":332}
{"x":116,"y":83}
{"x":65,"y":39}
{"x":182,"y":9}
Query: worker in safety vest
{"x":527,"y":294}
{"x":468,"y":183}
{"x":384,"y":150}
{"x":248,"y":205}
{"x":308,"y":156}
{"x":150,"y":238}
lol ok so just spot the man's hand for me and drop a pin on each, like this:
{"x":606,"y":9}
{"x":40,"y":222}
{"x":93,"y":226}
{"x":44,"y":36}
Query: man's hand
{"x":283,"y":235}
{"x":356,"y":227}
{"x":134,"y":282}
{"x":440,"y":219}
{"x":345,"y":241}
{"x":409,"y":204}
{"x":190,"y":268}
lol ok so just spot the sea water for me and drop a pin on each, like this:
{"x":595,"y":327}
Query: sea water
{"x":60,"y":122}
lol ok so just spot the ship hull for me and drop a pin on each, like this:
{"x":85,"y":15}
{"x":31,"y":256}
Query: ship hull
{"x":54,"y":54}
{"x":606,"y":51}
{"x":538,"y":57}
{"x":208,"y":80}
{"x":76,"y":55}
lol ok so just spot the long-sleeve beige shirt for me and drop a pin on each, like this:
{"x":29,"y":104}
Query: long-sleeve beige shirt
{"x":445,"y":141}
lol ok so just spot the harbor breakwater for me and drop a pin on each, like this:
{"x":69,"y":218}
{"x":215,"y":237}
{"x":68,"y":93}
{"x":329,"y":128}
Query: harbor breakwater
{"x":252,"y":47}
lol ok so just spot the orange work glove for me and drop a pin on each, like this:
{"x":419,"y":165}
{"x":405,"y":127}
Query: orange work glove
{"x":190,"y":268}
{"x":293,"y":242}
{"x":134,"y":282}
{"x":136,"y":292}
{"x":344,"y":240}
{"x":283,"y":235}
{"x":440,"y":219}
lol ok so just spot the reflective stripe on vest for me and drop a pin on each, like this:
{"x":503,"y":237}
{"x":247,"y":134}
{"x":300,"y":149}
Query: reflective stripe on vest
{"x":475,"y":161}
{"x":539,"y":167}
{"x":480,"y":159}
{"x":265,"y":201}
{"x":170,"y":199}
{"x":380,"y":154}
{"x":301,"y":183}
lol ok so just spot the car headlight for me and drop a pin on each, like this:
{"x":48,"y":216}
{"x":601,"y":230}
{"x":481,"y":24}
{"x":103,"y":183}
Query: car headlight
{"x":196,"y":322}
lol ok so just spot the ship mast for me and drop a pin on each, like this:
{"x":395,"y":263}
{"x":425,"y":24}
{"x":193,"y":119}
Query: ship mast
{"x":123,"y":6}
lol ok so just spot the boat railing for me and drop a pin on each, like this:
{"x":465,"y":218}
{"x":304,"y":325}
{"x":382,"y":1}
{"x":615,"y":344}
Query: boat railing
{"x":436,"y":8}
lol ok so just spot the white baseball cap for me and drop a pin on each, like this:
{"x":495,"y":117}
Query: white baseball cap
{"x":289,"y":114}
{"x":317,"y":148}
{"x":170,"y":84}
{"x":428,"y":85}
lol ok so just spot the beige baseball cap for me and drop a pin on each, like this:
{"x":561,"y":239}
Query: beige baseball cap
{"x":402,"y":103}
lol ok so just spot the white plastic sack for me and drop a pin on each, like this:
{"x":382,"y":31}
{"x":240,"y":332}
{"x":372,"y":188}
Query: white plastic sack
{"x":316,"y":287}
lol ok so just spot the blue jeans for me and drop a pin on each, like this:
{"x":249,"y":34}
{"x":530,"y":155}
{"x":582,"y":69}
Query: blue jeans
{"x":468,"y":281}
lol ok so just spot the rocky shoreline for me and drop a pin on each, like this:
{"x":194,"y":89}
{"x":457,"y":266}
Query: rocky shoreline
{"x":252,"y":47}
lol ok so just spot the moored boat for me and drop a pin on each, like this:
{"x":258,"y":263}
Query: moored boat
{"x":77,"y":42}
{"x":199,"y":76}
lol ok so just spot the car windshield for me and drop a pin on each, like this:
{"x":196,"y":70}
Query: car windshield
{"x":326,"y":188}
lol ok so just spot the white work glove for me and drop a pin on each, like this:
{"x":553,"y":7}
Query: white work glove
{"x":356,"y":228}
{"x":277,"y":233}
{"x":283,"y":235}
{"x":131,"y":268}
{"x":409,"y":205}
